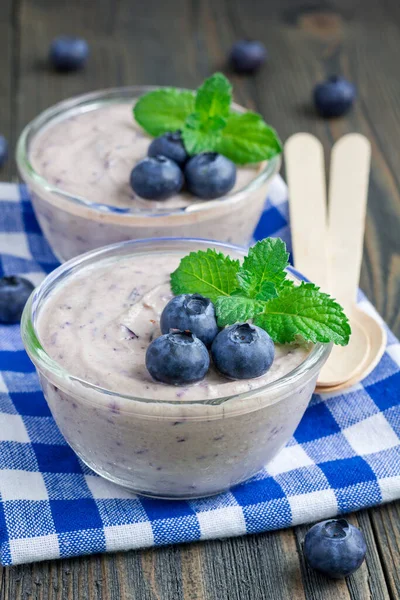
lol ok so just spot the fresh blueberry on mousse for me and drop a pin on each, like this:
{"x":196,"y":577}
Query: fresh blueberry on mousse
{"x":243,"y":351}
{"x":247,"y":56}
{"x":192,"y":312}
{"x":334,"y":97}
{"x":156,"y":178}
{"x":171,"y":146}
{"x":335,"y":548}
{"x":68,"y":53}
{"x":210,"y":175}
{"x":14,"y":292}
{"x":3,"y":150}
{"x":177,"y":358}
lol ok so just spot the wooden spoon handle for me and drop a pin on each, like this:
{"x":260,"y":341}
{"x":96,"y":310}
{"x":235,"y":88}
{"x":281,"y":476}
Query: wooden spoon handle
{"x":348,"y":191}
{"x":305,"y":172}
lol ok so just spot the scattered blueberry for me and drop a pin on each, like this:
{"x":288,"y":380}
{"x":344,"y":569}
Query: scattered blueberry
{"x":68,"y":53}
{"x":177,"y":358}
{"x":192,"y":312}
{"x":3,"y":150}
{"x":14,"y":292}
{"x":334,"y":97}
{"x":210,"y":175}
{"x":334,"y":547}
{"x":247,"y":56}
{"x":243,"y":351}
{"x":156,"y":178}
{"x":171,"y":146}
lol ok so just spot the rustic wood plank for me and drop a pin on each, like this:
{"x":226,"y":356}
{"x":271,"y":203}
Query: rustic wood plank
{"x":178,"y":43}
{"x":385,"y":521}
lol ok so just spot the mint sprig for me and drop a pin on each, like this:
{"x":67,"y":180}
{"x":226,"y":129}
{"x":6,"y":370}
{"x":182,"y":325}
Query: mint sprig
{"x":207,"y":122}
{"x":260,"y":290}
{"x":164,"y":110}
{"x":211,"y":273}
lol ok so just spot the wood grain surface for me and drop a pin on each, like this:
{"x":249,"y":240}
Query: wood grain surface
{"x":179,"y":42}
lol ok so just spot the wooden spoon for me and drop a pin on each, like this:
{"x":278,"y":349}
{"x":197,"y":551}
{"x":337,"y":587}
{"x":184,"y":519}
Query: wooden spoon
{"x":348,"y":192}
{"x":377,"y":347}
{"x":305,"y":170}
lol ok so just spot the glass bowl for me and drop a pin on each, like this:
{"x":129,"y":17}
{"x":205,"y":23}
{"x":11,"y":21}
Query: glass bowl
{"x":138,"y":442}
{"x":73,"y":224}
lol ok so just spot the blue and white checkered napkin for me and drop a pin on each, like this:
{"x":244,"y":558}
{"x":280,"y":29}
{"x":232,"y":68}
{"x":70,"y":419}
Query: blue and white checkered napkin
{"x":345,"y":454}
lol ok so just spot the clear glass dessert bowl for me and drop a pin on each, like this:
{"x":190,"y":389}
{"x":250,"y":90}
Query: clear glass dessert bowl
{"x":74,"y":224}
{"x":178,"y":448}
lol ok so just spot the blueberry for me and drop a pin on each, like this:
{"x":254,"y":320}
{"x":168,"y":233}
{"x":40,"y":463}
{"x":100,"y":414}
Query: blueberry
{"x":156,"y":178}
{"x":210,"y":175}
{"x":171,"y":146}
{"x":335,"y":548}
{"x":192,"y":312}
{"x":3,"y":150}
{"x":14,"y":292}
{"x":68,"y":53}
{"x":177,"y":358}
{"x":334,"y":97}
{"x":247,"y":56}
{"x":243,"y":351}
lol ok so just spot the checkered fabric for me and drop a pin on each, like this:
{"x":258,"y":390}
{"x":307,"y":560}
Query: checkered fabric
{"x":344,"y":456}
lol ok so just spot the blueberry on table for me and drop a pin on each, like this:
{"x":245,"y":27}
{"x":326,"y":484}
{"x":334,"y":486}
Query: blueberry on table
{"x":335,"y":548}
{"x":247,"y":56}
{"x":3,"y":150}
{"x":210,"y":175}
{"x":156,"y":178}
{"x":243,"y":351}
{"x":68,"y":53}
{"x":171,"y":146}
{"x":14,"y":292}
{"x":334,"y":97}
{"x":192,"y":312}
{"x":177,"y":358}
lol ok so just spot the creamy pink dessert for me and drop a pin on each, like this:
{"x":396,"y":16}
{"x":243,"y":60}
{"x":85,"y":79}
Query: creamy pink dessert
{"x":76,"y":159}
{"x":92,"y":155}
{"x":95,"y":321}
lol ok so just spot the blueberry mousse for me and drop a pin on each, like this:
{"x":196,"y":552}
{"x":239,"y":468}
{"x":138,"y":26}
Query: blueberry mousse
{"x":247,"y":56}
{"x":131,"y":163}
{"x":68,"y":53}
{"x":14,"y":292}
{"x":182,"y":366}
{"x":335,"y":548}
{"x":334,"y":97}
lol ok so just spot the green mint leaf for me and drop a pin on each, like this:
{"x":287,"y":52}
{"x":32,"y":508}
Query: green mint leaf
{"x":265,"y":262}
{"x":199,"y":136}
{"x":234,"y":309}
{"x":209,"y":273}
{"x":304,"y":311}
{"x":267,"y":292}
{"x":248,"y":139}
{"x":164,"y":110}
{"x":213,"y":98}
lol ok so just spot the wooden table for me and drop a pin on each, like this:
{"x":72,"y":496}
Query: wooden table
{"x":179,"y":42}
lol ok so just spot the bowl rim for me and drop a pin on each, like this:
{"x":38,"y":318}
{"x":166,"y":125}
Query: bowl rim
{"x":43,"y":362}
{"x":92,"y":101}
